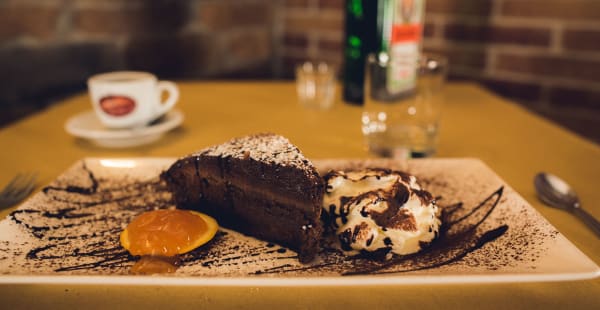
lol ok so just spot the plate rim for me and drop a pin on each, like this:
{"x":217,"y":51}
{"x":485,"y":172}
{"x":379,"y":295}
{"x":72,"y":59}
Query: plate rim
{"x":361,"y":280}
{"x":173,"y":119}
{"x":302,"y":281}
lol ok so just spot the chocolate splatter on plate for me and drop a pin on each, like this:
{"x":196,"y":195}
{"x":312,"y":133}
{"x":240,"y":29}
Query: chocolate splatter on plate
{"x":69,"y":233}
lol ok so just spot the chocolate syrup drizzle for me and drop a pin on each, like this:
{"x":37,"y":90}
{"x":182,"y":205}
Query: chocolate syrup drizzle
{"x":73,"y":208}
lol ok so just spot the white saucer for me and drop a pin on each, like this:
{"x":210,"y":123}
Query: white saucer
{"x":87,"y":125}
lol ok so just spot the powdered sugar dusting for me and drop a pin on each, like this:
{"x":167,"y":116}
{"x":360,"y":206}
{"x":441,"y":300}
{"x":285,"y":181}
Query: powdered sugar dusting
{"x":266,"y":147}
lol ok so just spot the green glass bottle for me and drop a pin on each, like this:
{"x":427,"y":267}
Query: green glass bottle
{"x":359,"y":41}
{"x":388,"y":28}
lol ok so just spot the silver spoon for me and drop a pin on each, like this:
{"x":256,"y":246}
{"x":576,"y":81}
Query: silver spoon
{"x":555,"y":192}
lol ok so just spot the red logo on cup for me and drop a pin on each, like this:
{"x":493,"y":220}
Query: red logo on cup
{"x":117,"y":105}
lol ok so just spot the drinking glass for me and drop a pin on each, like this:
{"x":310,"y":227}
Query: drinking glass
{"x":403,"y":102}
{"x":315,"y":83}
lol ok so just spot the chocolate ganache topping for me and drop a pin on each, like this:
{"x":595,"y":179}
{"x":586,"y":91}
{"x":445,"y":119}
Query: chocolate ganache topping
{"x":380,"y":211}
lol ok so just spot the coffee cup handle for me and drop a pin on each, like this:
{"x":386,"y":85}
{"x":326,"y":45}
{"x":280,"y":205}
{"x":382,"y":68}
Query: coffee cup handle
{"x":171,"y":88}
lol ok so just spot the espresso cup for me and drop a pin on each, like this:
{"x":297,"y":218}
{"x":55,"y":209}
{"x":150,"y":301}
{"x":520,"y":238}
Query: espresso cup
{"x":130,"y":99}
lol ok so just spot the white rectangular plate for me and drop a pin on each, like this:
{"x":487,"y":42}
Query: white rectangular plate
{"x":68,"y":233}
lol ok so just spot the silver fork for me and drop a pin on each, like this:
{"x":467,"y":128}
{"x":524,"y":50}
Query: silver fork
{"x":17,"y":189}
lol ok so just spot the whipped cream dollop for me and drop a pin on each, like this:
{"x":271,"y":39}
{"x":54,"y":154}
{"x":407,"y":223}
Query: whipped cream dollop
{"x":380,"y":210}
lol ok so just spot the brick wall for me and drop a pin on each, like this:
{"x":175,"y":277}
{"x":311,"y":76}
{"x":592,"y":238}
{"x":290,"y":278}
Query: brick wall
{"x":48,"y":48}
{"x":544,"y":54}
{"x":311,"y":29}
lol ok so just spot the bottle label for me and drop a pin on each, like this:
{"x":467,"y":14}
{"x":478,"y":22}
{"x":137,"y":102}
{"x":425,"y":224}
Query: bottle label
{"x":404,"y":44}
{"x":406,"y":33}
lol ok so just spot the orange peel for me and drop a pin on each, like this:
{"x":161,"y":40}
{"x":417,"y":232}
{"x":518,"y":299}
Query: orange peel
{"x":168,"y":232}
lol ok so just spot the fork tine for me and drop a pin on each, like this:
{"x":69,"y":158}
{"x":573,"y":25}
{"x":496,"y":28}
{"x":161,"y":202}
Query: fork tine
{"x":18,"y":189}
{"x":10,"y":186}
{"x":27,"y":185}
{"x":27,"y":188}
{"x":28,"y":178}
{"x":19,"y":184}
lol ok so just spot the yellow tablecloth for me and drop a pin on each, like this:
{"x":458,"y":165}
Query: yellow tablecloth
{"x":512,"y":141}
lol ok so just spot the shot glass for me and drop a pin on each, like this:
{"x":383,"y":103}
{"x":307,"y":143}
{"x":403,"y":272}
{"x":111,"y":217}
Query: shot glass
{"x":315,"y":84}
{"x":403,"y":102}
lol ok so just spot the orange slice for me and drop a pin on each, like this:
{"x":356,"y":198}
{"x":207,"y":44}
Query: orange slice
{"x":168,"y":232}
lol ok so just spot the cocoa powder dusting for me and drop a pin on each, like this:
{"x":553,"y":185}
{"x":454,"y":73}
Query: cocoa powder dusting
{"x":73,"y":226}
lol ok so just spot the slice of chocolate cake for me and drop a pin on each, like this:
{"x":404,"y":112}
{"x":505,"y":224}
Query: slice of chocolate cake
{"x":260,"y":185}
